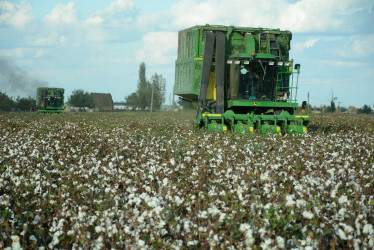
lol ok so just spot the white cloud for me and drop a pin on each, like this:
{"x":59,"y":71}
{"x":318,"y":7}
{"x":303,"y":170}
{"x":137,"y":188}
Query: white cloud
{"x":344,"y":64}
{"x":299,"y":16}
{"x":159,"y":48}
{"x":118,"y":13}
{"x":306,"y":45}
{"x":310,"y":43}
{"x":62,"y":14}
{"x":18,"y":53}
{"x":17,"y":16}
{"x":51,"y":39}
{"x":94,"y":20}
{"x":364,"y":46}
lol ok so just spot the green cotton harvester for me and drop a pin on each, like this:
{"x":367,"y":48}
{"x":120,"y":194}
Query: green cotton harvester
{"x":240,"y":79}
{"x":50,"y":100}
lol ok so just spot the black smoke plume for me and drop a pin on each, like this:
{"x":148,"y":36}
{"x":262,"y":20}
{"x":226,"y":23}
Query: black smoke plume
{"x":15,"y":81}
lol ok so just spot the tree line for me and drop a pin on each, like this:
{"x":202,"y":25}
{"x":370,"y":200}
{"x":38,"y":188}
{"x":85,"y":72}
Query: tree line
{"x":18,"y":104}
{"x":149,"y":94}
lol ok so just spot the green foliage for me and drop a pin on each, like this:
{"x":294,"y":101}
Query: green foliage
{"x":142,"y":98}
{"x":332,"y":107}
{"x":20,"y":104}
{"x":26,"y":104}
{"x":6,"y":103}
{"x":144,"y":89}
{"x":79,"y":98}
{"x":132,"y":100}
{"x":366,"y":109}
{"x":158,"y":85}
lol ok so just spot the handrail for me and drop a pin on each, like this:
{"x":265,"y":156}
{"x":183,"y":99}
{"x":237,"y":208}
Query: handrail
{"x":292,"y":86}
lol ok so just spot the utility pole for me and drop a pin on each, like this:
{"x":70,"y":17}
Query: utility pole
{"x":152,"y":96}
{"x":308,"y":105}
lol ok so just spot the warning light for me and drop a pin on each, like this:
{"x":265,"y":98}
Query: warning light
{"x":253,"y":53}
{"x":180,"y":98}
{"x":303,"y":110}
{"x":201,"y":108}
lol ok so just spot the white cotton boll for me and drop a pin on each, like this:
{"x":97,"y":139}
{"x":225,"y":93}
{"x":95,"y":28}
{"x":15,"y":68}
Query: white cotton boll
{"x":300,"y":203}
{"x":213,"y":210}
{"x":70,"y":233}
{"x":264,"y":176}
{"x":239,"y":193}
{"x":187,"y":159}
{"x":140,"y":219}
{"x":178,"y":200}
{"x":36,"y":219}
{"x":267,"y":206}
{"x":289,"y":201}
{"x":141,"y":243}
{"x":343,"y":199}
{"x":192,"y":243}
{"x":54,"y":242}
{"x":333,"y":193}
{"x":186,"y":226}
{"x":203,"y":214}
{"x":246,"y":229}
{"x":153,"y":202}
{"x":172,"y":161}
{"x":161,"y":224}
{"x":368,"y":229}
{"x":222,"y":217}
{"x":342,"y":234}
{"x":15,"y":242}
{"x":356,"y":244}
{"x":33,"y":238}
{"x":165,"y":182}
{"x":58,"y":233}
{"x":308,"y":215}
{"x":280,"y":242}
{"x":267,"y":243}
{"x":99,"y":229}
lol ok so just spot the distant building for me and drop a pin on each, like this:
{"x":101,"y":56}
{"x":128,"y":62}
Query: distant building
{"x":103,"y":102}
{"x":119,"y":106}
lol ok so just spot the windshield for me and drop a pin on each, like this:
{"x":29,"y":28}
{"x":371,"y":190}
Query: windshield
{"x":253,"y":81}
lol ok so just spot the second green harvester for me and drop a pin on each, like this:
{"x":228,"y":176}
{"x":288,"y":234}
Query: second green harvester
{"x":50,"y":100}
{"x":240,"y":79}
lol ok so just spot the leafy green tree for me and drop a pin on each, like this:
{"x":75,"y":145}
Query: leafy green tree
{"x":6,"y":103}
{"x":332,"y":107}
{"x":366,"y":109}
{"x":148,"y":91}
{"x":79,"y":98}
{"x":132,"y":100}
{"x":158,"y":85}
{"x":25,"y":104}
{"x":144,"y":89}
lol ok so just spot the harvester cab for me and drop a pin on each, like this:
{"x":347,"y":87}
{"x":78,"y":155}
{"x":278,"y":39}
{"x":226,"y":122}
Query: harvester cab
{"x":240,"y":79}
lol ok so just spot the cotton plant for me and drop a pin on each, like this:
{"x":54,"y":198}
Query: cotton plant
{"x":114,"y":180}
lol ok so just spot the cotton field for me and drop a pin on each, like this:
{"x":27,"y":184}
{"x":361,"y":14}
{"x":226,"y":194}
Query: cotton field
{"x":141,"y":180}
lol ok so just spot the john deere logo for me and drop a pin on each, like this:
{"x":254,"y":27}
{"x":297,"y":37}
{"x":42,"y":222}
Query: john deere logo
{"x":255,"y":104}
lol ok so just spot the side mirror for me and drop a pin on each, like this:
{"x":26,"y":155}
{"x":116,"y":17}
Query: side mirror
{"x":297,"y":66}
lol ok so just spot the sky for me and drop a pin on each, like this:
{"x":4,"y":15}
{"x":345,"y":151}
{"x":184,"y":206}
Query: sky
{"x":98,"y":46}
